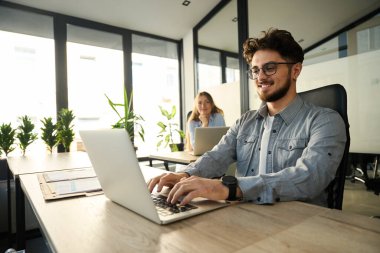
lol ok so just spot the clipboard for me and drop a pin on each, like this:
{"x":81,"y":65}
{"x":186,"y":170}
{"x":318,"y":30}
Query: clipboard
{"x":70,"y":183}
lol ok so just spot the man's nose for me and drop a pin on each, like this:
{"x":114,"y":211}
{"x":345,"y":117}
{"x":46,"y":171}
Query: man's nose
{"x":261,"y":75}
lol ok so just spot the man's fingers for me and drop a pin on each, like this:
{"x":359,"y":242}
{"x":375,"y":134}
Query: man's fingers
{"x":156,"y":181}
{"x":189,"y":197}
{"x":184,"y":187}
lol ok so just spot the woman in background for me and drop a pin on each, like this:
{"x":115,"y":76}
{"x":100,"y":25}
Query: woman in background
{"x":205,"y":114}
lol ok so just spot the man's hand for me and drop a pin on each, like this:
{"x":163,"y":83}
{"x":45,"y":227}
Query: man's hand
{"x":193,"y":187}
{"x":166,"y":179}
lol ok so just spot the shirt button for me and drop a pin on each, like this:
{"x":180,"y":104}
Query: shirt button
{"x":274,"y":131}
{"x":251,"y":170}
{"x":269,"y":152}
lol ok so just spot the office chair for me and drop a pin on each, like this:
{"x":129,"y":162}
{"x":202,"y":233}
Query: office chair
{"x":334,"y":97}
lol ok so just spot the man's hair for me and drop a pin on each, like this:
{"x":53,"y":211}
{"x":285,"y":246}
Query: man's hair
{"x":280,"y":41}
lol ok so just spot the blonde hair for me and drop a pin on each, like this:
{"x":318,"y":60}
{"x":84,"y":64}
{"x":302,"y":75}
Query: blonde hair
{"x":195,"y":114}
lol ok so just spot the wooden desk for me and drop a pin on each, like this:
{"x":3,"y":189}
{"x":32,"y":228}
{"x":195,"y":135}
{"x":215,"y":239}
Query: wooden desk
{"x":22,"y":165}
{"x":95,"y":224}
{"x":181,"y":157}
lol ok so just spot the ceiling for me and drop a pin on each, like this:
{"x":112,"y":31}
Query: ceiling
{"x":309,"y":21}
{"x":167,"y":18}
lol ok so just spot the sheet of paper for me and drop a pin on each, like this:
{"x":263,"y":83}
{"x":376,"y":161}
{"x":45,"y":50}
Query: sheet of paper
{"x":75,"y":186}
{"x":54,"y":176}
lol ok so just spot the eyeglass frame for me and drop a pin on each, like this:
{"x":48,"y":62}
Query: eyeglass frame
{"x":250,"y":74}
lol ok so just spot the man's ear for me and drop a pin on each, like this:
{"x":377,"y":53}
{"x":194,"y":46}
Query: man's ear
{"x":296,"y":70}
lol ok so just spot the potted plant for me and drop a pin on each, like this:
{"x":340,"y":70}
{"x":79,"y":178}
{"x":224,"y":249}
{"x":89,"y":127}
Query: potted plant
{"x":7,"y":138}
{"x":65,"y":132}
{"x":169,"y":129}
{"x":128,"y":119}
{"x":49,"y":133}
{"x":25,"y":133}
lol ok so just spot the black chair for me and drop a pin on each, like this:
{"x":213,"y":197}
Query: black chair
{"x":335,"y":97}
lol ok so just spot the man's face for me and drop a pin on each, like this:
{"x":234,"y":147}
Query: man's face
{"x":273,"y":87}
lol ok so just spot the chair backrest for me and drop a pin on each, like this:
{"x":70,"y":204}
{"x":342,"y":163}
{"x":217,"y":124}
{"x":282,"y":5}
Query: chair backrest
{"x":335,"y":97}
{"x":188,"y":115}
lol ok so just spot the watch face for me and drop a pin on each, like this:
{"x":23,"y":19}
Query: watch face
{"x":229,"y":180}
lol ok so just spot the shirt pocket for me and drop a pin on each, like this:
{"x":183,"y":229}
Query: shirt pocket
{"x":245,"y":148}
{"x":288,"y":151}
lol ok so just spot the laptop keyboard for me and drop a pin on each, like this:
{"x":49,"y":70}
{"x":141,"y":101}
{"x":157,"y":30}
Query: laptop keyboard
{"x":164,"y":208}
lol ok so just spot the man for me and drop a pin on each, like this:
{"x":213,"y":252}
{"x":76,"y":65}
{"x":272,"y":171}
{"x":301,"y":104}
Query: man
{"x":287,"y":150}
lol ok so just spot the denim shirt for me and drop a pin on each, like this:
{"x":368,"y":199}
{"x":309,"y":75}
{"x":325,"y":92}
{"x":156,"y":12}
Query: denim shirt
{"x":305,"y":148}
{"x":216,"y":120}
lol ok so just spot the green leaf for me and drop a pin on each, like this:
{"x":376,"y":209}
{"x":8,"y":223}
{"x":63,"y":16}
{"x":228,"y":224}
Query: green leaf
{"x":168,"y":128}
{"x":164,"y":112}
{"x":7,"y":138}
{"x":65,"y":132}
{"x":173,"y":113}
{"x":49,"y":133}
{"x":129,"y":120}
{"x":162,"y":125}
{"x":25,"y":133}
{"x":112,"y":105}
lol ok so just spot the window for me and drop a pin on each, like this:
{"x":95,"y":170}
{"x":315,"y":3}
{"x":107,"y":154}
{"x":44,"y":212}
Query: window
{"x":27,"y":66}
{"x":232,"y":69}
{"x":368,"y":39}
{"x":155,"y":74}
{"x":209,"y":69}
{"x":94,"y":68}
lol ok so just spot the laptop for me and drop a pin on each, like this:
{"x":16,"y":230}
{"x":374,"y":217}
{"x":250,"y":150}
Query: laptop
{"x":115,"y":163}
{"x":206,"y":138}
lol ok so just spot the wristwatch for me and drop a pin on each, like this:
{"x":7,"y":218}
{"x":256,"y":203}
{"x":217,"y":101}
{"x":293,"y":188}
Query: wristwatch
{"x":231,"y":183}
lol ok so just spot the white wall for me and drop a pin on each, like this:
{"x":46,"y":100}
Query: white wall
{"x":227,"y":97}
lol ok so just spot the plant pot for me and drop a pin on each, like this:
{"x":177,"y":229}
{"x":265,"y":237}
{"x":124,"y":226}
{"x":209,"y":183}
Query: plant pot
{"x":174,"y":147}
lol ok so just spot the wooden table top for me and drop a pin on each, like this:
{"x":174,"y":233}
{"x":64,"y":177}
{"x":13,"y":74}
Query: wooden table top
{"x":48,"y":162}
{"x":175,"y":157}
{"x":96,"y":224}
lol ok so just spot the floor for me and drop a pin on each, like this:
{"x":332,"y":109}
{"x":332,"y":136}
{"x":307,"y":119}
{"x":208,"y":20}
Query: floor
{"x":356,"y":200}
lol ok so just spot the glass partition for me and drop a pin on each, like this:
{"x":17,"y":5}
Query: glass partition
{"x":358,"y":72}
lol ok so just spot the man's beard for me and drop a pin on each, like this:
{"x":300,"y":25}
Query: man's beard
{"x":278,"y":94}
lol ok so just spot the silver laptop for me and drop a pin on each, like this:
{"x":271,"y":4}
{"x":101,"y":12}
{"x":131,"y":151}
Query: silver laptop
{"x":116,"y":166}
{"x":206,"y":138}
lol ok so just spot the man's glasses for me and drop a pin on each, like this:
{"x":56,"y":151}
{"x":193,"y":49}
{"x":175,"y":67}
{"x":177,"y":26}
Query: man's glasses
{"x":269,"y":69}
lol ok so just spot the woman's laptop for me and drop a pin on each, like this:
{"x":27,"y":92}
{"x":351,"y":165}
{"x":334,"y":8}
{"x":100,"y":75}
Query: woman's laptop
{"x":116,"y":166}
{"x":206,"y":138}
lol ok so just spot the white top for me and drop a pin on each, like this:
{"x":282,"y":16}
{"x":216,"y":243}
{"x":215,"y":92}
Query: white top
{"x":264,"y":144}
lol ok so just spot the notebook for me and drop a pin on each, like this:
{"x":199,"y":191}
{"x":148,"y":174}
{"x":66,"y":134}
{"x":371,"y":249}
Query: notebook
{"x":116,"y":166}
{"x":206,"y":138}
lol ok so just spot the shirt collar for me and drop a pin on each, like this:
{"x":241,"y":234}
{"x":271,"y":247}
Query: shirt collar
{"x":288,"y":113}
